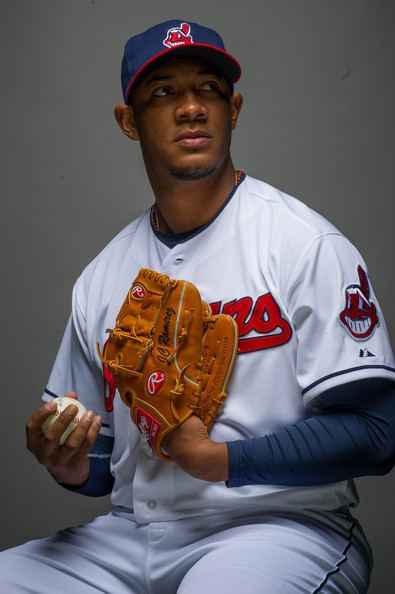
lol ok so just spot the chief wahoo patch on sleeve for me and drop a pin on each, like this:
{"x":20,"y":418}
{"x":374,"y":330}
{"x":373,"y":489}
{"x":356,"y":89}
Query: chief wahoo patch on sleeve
{"x":359,"y":315}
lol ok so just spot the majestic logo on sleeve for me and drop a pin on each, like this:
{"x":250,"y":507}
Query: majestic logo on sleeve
{"x":261,"y":324}
{"x":178,"y":36}
{"x":359,"y":315}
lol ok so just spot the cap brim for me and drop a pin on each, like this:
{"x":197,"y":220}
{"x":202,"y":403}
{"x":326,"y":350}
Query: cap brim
{"x":223,"y":61}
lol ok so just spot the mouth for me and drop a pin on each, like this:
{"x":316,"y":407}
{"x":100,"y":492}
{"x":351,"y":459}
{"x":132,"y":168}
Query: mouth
{"x":193,"y":139}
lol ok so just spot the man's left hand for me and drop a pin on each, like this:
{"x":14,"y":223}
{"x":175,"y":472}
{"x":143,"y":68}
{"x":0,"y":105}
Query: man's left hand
{"x":192,"y":449}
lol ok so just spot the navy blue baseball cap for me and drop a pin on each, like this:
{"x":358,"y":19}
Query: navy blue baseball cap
{"x":174,"y":39}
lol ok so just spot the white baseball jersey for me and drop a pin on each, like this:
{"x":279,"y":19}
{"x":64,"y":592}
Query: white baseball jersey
{"x":308,"y":321}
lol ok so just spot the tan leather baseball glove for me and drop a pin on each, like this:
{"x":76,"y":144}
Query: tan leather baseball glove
{"x":169,"y":356}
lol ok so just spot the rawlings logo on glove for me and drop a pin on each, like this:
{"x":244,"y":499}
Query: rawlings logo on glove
{"x":169,"y":355}
{"x":154,"y":382}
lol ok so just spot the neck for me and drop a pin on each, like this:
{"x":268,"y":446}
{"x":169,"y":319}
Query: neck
{"x":184,"y":205}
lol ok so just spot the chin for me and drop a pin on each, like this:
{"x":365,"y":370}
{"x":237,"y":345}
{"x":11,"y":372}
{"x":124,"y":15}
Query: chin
{"x":194,"y":171}
{"x":191,"y":173}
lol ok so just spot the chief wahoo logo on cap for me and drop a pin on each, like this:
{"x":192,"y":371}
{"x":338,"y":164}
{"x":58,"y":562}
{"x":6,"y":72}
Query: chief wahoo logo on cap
{"x":178,"y":36}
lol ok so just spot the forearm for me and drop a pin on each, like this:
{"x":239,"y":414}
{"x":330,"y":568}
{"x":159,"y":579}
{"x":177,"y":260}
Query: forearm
{"x":354,"y":437}
{"x":335,"y":446}
{"x":322,"y":449}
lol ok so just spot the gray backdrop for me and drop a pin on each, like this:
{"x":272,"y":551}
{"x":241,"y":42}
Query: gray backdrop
{"x":317,"y":122}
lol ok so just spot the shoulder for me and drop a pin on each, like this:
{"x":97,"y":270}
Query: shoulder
{"x":287,"y":225}
{"x":109,"y":260}
{"x":286,"y":211}
{"x":290,"y":235}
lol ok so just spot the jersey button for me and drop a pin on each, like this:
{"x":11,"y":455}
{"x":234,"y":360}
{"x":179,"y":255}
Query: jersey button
{"x":151,"y":504}
{"x":179,"y":259}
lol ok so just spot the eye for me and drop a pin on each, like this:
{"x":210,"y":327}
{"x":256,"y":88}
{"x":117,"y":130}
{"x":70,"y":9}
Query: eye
{"x":162,"y":91}
{"x":210,"y":85}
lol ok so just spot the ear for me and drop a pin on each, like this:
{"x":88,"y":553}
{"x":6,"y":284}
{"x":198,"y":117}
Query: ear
{"x":124,"y":116}
{"x":236,"y":103}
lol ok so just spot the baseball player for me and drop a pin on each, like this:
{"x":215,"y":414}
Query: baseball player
{"x":263,"y":503}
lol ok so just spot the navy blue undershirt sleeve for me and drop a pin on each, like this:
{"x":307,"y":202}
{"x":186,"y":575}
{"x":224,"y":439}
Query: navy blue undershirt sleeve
{"x":100,"y":481}
{"x":352,"y":434}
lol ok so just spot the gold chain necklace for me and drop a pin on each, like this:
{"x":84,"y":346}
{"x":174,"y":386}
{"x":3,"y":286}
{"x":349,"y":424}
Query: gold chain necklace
{"x":154,"y":207}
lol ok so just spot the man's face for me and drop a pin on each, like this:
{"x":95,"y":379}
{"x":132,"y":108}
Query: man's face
{"x":183,"y":115}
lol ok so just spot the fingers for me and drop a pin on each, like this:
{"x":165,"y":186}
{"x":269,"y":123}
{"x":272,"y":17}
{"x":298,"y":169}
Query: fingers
{"x":67,"y":463}
{"x":43,"y":446}
{"x":82,"y":438}
{"x":53,"y":433}
{"x":35,"y":422}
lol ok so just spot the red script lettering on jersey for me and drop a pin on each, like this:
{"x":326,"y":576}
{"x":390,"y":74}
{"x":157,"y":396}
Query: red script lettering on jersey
{"x":262,"y":318}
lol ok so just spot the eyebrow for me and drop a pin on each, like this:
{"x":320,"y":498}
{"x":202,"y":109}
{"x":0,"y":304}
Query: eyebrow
{"x":158,"y":77}
{"x":167,"y":77}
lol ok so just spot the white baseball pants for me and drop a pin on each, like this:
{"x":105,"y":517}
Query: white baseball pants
{"x":266,"y":554}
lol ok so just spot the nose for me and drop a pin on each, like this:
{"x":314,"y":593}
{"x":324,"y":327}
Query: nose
{"x":190,"y":108}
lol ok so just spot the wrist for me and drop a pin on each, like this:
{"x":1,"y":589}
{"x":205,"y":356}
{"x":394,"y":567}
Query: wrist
{"x":214,"y":462}
{"x":73,"y":485}
{"x":190,"y":447}
{"x":66,"y":480}
{"x":206,"y":460}
{"x":72,"y":479}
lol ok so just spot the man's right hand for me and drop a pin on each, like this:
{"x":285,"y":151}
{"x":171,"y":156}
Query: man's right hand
{"x":67,"y":463}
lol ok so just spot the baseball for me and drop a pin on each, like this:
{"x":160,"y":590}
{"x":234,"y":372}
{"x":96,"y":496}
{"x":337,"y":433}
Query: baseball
{"x":62,"y":403}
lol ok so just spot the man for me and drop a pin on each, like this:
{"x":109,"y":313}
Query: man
{"x":262,"y":504}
